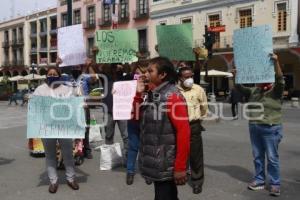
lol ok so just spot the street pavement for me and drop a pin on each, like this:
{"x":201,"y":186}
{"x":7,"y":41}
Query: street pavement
{"x":228,"y":165}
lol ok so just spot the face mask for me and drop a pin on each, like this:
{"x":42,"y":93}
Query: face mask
{"x":188,"y":83}
{"x":52,"y":79}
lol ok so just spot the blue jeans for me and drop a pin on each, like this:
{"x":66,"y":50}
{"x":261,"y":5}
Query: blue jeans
{"x":133,"y":145}
{"x":265,"y":140}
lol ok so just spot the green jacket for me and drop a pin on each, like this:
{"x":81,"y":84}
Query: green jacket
{"x":264,"y":107}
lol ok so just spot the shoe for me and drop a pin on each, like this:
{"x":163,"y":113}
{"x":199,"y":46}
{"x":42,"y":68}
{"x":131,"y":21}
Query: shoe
{"x":73,"y":185}
{"x":88,"y":154}
{"x":256,"y":186}
{"x":275,"y":191}
{"x":129,"y":179}
{"x":53,"y":188}
{"x":148,"y":182}
{"x":197,"y":189}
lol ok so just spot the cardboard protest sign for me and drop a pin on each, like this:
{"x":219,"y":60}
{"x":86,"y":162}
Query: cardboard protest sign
{"x":123,"y":95}
{"x":71,"y":46}
{"x":49,"y":117}
{"x":117,"y":46}
{"x":175,"y":41}
{"x":252,"y":47}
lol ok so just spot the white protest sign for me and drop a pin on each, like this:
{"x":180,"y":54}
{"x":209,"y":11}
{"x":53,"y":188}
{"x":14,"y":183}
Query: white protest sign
{"x":71,"y":46}
{"x":123,"y":95}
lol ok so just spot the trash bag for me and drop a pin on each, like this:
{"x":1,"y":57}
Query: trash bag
{"x":110,"y":156}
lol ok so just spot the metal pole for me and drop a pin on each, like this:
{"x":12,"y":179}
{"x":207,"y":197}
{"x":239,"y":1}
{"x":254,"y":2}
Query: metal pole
{"x":70,"y":12}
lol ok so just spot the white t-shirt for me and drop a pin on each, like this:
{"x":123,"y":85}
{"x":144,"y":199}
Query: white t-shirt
{"x":61,"y":91}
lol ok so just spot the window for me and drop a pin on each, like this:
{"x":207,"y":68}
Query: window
{"x":124,"y":9}
{"x":77,"y":17}
{"x":106,"y":13}
{"x":14,"y":35}
{"x":186,"y":20}
{"x":43,"y":24}
{"x":91,"y":15}
{"x":90,"y":45}
{"x":6,"y":36}
{"x":215,"y":21}
{"x":21,"y":34}
{"x":282,"y":17}
{"x":142,"y":7}
{"x":143,"y":47}
{"x":53,"y":23}
{"x":33,"y":27}
{"x":245,"y":18}
{"x":64,"y":19}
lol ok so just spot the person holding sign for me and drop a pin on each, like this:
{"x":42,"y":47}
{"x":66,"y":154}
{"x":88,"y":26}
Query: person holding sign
{"x":165,"y":129}
{"x":197,"y":109}
{"x":54,"y":88}
{"x":265,"y":125}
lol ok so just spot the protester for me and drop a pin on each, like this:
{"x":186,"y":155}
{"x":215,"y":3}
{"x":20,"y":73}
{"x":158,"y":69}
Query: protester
{"x":114,"y":73}
{"x":165,"y":130}
{"x":235,"y":98}
{"x":133,"y":132}
{"x":265,"y":125}
{"x":53,"y":88}
{"x":197,"y":109}
{"x":80,"y":81}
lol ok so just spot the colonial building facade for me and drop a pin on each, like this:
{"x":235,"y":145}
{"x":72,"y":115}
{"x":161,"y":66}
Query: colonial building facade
{"x":28,"y":41}
{"x":283,"y":15}
{"x":100,"y":15}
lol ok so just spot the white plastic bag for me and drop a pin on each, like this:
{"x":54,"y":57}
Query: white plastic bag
{"x":110,"y":156}
{"x":95,"y":134}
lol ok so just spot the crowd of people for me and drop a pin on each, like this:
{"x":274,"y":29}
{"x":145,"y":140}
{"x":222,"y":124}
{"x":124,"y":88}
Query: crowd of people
{"x":165,"y":132}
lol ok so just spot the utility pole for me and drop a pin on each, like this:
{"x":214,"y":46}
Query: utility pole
{"x":70,"y":12}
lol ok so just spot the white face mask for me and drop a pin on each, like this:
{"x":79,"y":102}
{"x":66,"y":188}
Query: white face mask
{"x":188,"y":83}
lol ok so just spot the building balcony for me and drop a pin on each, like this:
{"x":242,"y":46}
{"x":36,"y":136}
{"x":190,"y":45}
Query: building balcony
{"x":141,"y":14}
{"x":33,"y":50}
{"x":43,"y":34}
{"x":123,"y":19}
{"x":33,"y":35}
{"x":88,"y":25}
{"x":20,"y":41}
{"x":53,"y":31}
{"x":105,"y":22}
{"x":43,"y":61}
{"x":53,"y":48}
{"x":5,"y":44}
{"x":44,"y":49}
{"x":13,"y":42}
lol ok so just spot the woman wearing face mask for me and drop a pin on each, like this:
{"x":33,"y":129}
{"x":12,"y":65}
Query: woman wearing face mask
{"x":197,"y":109}
{"x":54,"y":88}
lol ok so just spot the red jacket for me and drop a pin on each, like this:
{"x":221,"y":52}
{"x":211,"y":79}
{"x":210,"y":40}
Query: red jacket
{"x":179,"y":119}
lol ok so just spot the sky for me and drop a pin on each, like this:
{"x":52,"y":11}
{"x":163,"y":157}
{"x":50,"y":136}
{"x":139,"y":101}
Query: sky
{"x":23,"y":7}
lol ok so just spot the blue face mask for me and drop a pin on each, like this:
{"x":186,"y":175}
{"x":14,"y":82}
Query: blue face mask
{"x":52,"y":79}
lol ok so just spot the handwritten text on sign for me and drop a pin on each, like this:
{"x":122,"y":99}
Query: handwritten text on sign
{"x":117,"y":46}
{"x":252,"y":47}
{"x":49,"y":117}
{"x":175,"y":41}
{"x":71,"y":47}
{"x":124,"y":92}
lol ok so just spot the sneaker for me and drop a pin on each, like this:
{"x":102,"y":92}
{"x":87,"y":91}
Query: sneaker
{"x":256,"y":186}
{"x":275,"y":191}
